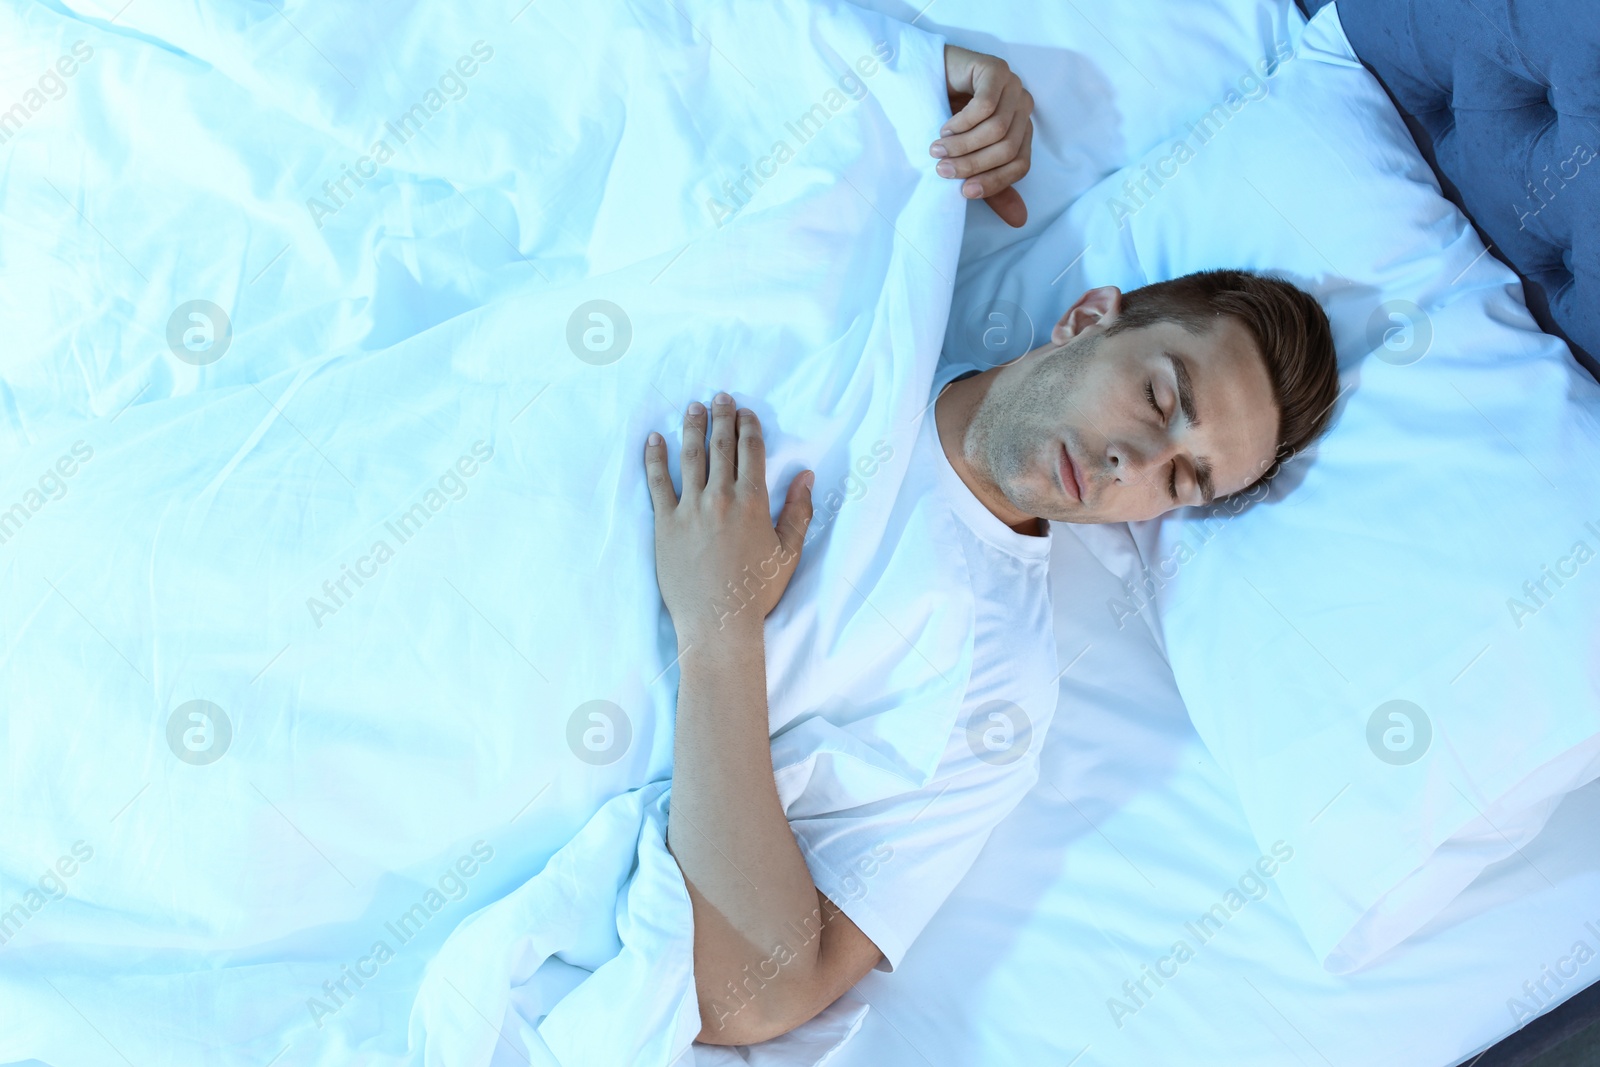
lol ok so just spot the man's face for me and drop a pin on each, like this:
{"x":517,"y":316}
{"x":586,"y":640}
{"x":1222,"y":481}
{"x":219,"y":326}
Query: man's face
{"x":1091,"y":395}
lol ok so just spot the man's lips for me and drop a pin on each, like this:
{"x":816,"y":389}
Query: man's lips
{"x":1067,"y":471}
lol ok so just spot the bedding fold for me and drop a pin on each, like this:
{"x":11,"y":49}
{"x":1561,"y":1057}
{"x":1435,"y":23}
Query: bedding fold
{"x":339,"y":650}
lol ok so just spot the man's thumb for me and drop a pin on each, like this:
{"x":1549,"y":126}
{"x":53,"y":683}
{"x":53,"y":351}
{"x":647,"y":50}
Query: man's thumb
{"x":795,"y":516}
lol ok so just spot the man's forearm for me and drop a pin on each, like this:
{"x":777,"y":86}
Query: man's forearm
{"x":749,"y":884}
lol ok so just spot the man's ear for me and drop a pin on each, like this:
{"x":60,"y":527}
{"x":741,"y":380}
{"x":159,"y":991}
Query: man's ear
{"x":1097,"y":305}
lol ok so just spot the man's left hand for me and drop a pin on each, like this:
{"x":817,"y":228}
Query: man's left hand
{"x":988,"y":141}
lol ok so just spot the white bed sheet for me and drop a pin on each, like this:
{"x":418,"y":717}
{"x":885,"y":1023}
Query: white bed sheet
{"x":1130,"y":834}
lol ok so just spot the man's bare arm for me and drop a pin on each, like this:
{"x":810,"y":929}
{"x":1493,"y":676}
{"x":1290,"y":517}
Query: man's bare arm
{"x":749,"y":885}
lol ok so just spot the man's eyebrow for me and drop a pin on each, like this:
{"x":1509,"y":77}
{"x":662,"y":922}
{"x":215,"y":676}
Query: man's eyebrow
{"x":1185,"y":388}
{"x":1202,"y":474}
{"x":1202,"y":465}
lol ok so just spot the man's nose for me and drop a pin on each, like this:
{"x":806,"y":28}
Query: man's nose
{"x":1133,"y":458}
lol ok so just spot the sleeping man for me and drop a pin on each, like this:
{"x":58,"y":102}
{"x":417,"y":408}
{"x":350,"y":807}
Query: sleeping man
{"x":1176,"y":394}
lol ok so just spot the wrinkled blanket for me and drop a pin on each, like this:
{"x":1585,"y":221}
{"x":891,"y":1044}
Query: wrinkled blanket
{"x":336,"y":688}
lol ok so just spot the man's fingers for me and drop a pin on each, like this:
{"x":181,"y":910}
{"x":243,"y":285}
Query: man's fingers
{"x":1005,"y":125}
{"x":692,"y":456}
{"x":996,"y":187}
{"x":991,"y":182}
{"x":663,"y":497}
{"x":973,"y":113}
{"x":959,"y":65}
{"x":1015,"y":105}
{"x":985,"y":78}
{"x":752,"y":451}
{"x":983,"y":160}
{"x":724,"y":463}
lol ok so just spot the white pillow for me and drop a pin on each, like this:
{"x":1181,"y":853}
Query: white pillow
{"x":1389,"y":563}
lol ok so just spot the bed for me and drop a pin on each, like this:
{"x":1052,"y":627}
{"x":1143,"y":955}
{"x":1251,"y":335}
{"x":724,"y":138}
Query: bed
{"x":1133,"y":828}
{"x":384,"y":266}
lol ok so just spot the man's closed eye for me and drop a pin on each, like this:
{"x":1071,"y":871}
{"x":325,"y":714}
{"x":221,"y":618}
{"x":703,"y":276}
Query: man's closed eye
{"x":1172,"y":478}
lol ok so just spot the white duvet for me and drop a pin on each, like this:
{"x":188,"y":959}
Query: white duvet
{"x":337,"y":690}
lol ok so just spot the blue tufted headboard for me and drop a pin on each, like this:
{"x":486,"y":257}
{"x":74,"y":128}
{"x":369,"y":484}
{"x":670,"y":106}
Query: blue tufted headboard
{"x":1503,"y":98}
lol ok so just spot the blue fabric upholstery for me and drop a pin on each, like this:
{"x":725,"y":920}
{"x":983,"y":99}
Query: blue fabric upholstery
{"x":1503,"y":97}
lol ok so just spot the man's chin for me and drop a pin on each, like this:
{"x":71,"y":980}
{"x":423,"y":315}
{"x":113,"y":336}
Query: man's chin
{"x":1049,"y":504}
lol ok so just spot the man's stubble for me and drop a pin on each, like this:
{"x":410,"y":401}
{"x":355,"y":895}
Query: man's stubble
{"x":1009,"y":427}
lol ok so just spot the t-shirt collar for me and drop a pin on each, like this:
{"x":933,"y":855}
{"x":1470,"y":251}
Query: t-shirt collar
{"x":972,"y":511}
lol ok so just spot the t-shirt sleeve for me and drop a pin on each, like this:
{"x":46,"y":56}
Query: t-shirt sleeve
{"x":888,"y":850}
{"x":890,"y":864}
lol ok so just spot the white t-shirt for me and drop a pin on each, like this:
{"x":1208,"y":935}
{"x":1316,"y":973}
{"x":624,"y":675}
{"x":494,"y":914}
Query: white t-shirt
{"x":890,"y":864}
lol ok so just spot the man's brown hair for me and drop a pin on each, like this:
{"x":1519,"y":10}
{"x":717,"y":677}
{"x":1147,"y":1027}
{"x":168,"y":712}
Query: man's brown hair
{"x":1289,"y":329}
